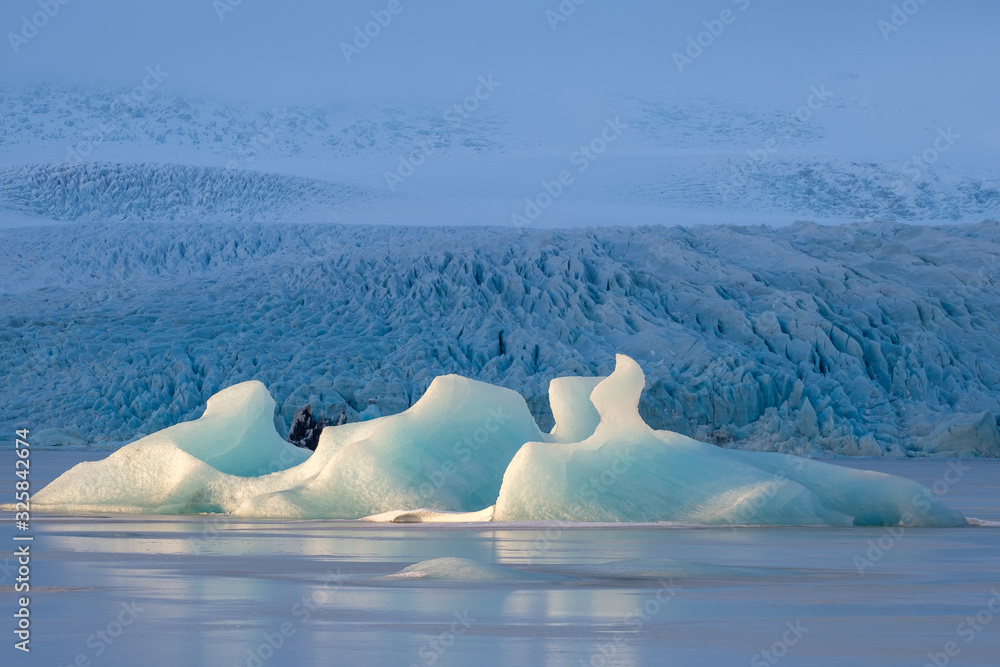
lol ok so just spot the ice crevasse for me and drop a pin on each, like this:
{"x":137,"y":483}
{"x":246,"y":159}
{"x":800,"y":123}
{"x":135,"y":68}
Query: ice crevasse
{"x":468,"y":450}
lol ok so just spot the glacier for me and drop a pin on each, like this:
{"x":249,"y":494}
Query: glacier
{"x":130,"y":192}
{"x":687,"y":152}
{"x":467,"y":446}
{"x":872,"y":339}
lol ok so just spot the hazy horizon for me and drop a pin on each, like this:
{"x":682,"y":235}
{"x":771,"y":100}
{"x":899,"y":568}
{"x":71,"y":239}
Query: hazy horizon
{"x":736,"y":110}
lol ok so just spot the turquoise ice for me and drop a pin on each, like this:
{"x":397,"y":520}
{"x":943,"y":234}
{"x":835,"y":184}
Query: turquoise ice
{"x":471,"y":451}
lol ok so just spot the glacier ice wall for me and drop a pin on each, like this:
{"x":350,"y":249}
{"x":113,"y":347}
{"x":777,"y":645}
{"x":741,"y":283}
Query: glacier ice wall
{"x":857,"y":340}
{"x":466,"y":445}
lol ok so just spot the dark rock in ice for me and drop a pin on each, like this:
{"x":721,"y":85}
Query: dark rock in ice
{"x":305,"y":429}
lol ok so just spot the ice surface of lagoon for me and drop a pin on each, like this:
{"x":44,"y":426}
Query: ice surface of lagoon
{"x":206,"y":590}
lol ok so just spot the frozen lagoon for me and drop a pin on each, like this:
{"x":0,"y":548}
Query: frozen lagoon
{"x":209,"y":590}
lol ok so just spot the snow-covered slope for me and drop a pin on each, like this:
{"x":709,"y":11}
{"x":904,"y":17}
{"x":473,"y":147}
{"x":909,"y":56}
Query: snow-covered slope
{"x":713,"y":155}
{"x":136,"y":192}
{"x":89,"y":120}
{"x":835,"y":189}
{"x":862,"y":339}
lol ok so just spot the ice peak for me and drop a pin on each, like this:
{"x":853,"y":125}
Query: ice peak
{"x":617,"y":397}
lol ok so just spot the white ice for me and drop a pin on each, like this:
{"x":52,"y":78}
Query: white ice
{"x":626,"y":471}
{"x":450,"y":452}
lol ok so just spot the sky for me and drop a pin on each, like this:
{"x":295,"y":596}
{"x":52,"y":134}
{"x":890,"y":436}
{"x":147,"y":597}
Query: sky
{"x":292,"y":51}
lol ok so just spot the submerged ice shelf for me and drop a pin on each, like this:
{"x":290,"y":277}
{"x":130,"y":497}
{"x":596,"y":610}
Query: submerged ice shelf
{"x":471,"y":451}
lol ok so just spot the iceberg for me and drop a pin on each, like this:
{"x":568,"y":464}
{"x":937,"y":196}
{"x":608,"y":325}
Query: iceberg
{"x":626,"y":471}
{"x":447,"y":452}
{"x":471,"y":451}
